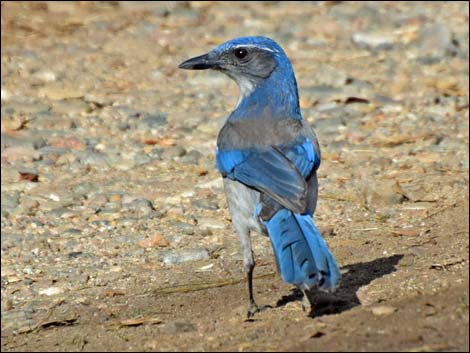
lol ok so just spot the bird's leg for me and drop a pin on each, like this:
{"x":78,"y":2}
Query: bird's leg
{"x":252,"y":307}
{"x":306,"y":303}
{"x":249,"y":266}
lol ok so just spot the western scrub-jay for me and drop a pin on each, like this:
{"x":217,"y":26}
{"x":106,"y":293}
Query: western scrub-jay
{"x":268,"y":157}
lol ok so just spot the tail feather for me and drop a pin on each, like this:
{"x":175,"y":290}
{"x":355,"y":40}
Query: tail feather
{"x":302,"y":256}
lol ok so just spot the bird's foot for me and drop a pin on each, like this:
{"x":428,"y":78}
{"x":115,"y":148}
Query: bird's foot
{"x":253,"y":309}
{"x":306,"y":303}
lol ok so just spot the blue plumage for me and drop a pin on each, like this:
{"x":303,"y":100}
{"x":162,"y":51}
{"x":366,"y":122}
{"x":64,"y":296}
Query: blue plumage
{"x":268,"y":156}
{"x":301,"y":254}
{"x":268,"y":170}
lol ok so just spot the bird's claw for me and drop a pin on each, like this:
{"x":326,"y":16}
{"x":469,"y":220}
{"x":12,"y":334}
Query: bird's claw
{"x":253,"y":309}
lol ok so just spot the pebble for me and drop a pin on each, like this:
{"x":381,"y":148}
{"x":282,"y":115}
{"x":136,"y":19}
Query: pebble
{"x":20,"y":153}
{"x":205,"y":204}
{"x":185,"y":228}
{"x":94,"y":158}
{"x":27,"y":106}
{"x":17,"y":318}
{"x":51,"y":291}
{"x":373,"y":41}
{"x":153,"y":121}
{"x":182,"y":256}
{"x":329,"y":125}
{"x":173,"y":152}
{"x":139,"y":208}
{"x":177,"y":327}
{"x":383,"y":310}
{"x":10,"y":200}
{"x":45,"y":76}
{"x":210,"y":223}
{"x":192,"y":157}
{"x":216,"y":184}
{"x":5,"y":94}
{"x":435,"y":42}
{"x":99,"y":100}
{"x":156,"y":240}
{"x":382,"y":194}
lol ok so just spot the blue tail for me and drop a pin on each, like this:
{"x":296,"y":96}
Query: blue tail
{"x":302,"y":256}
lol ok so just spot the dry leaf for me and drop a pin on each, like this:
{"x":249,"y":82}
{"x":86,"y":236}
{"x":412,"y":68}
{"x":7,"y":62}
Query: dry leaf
{"x":113,"y":293}
{"x":160,"y":141}
{"x":33,"y":177}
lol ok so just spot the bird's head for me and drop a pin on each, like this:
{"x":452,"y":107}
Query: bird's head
{"x":247,"y":60}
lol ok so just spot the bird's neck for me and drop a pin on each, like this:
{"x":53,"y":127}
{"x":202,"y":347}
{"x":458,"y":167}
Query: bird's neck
{"x":275,"y":96}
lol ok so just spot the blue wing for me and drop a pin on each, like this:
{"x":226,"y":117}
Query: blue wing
{"x":280,"y":173}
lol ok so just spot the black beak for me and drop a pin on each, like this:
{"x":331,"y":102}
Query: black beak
{"x":201,"y":62}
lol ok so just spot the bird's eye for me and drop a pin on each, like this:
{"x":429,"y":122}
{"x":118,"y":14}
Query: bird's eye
{"x":241,"y":53}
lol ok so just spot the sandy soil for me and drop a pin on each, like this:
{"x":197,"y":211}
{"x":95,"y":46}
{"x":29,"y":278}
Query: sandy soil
{"x":115,"y":229}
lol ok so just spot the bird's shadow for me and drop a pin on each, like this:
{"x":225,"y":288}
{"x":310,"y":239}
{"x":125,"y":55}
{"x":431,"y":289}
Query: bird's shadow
{"x":345,"y":298}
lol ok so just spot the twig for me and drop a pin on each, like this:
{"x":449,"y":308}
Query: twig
{"x":193,"y":287}
{"x":440,"y":210}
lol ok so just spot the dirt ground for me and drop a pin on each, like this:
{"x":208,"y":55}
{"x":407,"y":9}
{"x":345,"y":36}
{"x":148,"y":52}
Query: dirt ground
{"x":115,"y":230}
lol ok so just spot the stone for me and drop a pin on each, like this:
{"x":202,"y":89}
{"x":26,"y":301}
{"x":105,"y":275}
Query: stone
{"x":140,"y":208}
{"x":373,"y":41}
{"x":182,"y":256}
{"x":383,"y":310}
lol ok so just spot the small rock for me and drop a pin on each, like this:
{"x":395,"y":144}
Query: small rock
{"x":17,"y":318}
{"x":111,"y":207}
{"x":210,"y":223}
{"x":173,"y":152}
{"x":382,"y":194}
{"x":156,"y":240}
{"x":435,"y":42}
{"x":153,"y":121}
{"x":5,"y":94}
{"x":205,"y":204}
{"x":383,"y":310}
{"x":10,"y":200}
{"x":373,"y":41}
{"x":185,"y":228}
{"x":45,"y":76}
{"x":94,"y":158}
{"x":27,"y":106}
{"x":29,"y":207}
{"x":51,"y":291}
{"x":142,"y":159}
{"x":67,"y":142}
{"x":20,"y":153}
{"x":216,"y":184}
{"x":327,"y":230}
{"x":97,"y":201}
{"x":178,"y":257}
{"x":70,"y":107}
{"x":139,"y":208}
{"x":328,"y":125}
{"x":71,"y":232}
{"x":66,"y":158}
{"x":100,"y":101}
{"x":192,"y":157}
{"x":180,"y":327}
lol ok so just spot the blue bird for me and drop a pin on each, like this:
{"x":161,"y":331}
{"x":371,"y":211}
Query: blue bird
{"x":268,"y":157}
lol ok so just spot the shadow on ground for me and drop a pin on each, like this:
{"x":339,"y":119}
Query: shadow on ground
{"x":345,"y":297}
